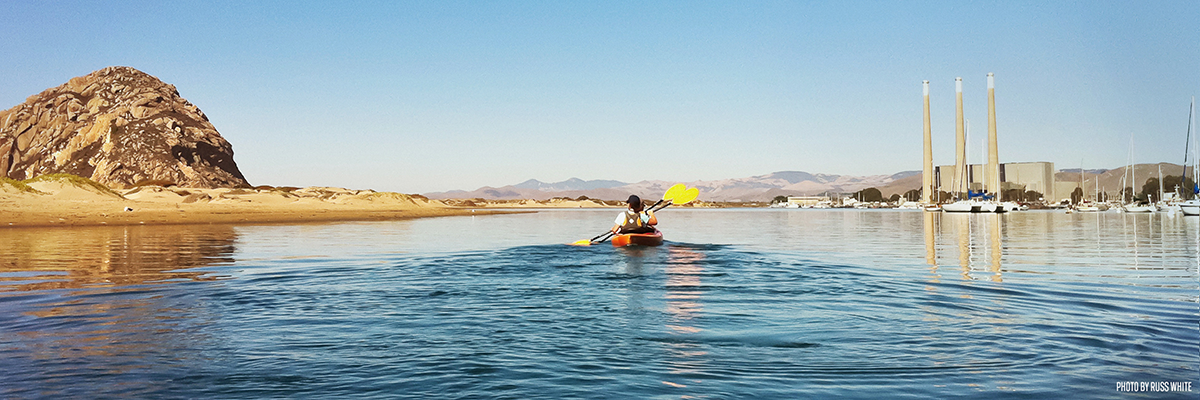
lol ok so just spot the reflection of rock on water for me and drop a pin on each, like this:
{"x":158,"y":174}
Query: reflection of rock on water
{"x":53,"y":258}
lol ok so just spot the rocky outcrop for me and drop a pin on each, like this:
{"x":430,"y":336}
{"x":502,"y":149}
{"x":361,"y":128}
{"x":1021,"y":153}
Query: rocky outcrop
{"x":117,"y":126}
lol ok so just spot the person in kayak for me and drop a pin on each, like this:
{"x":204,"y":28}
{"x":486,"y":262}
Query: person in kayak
{"x":634,"y":220}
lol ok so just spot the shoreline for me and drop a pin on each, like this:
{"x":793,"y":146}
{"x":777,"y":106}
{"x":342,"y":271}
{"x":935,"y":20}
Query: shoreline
{"x":74,"y":202}
{"x":25,"y":218}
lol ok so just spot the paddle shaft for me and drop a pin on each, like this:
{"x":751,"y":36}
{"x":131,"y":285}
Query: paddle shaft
{"x":667,"y":197}
{"x":610,"y":233}
{"x":607,"y":235}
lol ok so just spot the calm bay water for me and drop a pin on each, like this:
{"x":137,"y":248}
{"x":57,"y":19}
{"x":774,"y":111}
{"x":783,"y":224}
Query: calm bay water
{"x":738,"y":304}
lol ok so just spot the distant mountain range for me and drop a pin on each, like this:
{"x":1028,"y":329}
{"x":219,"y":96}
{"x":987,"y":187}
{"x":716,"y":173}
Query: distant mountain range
{"x":569,"y":184}
{"x":762,"y":187}
{"x":755,"y":188}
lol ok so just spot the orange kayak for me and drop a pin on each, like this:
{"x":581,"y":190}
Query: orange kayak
{"x":638,"y":239}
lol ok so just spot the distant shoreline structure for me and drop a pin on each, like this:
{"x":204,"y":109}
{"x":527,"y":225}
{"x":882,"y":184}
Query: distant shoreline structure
{"x":764,"y":188}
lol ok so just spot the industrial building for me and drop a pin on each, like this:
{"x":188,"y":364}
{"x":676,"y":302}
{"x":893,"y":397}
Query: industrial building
{"x":1027,"y":176}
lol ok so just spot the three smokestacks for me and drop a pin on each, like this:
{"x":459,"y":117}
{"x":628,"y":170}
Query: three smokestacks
{"x":992,"y":171}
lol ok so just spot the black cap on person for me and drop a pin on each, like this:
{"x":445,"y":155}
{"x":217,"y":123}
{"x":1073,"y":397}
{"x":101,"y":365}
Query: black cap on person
{"x":635,"y":201}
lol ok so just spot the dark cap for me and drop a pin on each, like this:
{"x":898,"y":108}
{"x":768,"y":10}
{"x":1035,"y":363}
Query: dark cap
{"x":635,"y":202}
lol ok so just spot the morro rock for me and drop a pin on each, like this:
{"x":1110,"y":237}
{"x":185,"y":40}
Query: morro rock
{"x":117,"y":126}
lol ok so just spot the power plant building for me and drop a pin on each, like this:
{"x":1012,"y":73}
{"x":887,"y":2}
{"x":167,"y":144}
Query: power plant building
{"x":1027,"y":176}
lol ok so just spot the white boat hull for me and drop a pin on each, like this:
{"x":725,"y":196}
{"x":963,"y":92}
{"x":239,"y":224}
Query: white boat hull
{"x":961,"y":207}
{"x":1130,"y":208}
{"x":974,"y":206}
{"x":1190,"y":207}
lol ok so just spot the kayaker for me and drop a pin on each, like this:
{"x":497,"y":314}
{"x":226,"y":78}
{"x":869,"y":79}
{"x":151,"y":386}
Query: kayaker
{"x":634,"y":220}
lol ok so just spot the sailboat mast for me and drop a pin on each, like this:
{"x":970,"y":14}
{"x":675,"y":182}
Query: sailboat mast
{"x":1195,"y":159}
{"x":1186,"y":146}
{"x":1160,"y":183}
{"x":1132,"y":173}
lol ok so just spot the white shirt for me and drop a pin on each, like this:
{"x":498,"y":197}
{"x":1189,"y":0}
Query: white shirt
{"x":621,"y":219}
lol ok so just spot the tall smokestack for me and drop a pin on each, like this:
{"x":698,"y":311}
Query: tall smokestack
{"x":927,"y":161}
{"x":960,"y":142}
{"x":993,"y":171}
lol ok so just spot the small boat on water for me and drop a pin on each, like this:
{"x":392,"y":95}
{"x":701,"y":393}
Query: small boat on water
{"x":961,"y":206}
{"x":974,"y":206}
{"x":1138,"y":208}
{"x":1190,"y":207}
{"x":638,"y":239}
{"x":1010,"y":206}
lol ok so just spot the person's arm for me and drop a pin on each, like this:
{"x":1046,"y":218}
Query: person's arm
{"x":653,"y":220}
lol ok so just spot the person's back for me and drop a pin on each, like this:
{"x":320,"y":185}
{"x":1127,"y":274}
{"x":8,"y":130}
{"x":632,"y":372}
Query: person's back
{"x":634,"y":220}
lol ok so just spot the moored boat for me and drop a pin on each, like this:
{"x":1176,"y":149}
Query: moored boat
{"x":638,"y":239}
{"x":961,"y":206}
{"x":1138,"y":208}
{"x":1190,"y":207}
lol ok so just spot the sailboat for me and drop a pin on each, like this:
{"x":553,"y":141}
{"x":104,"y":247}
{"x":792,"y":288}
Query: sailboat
{"x":974,"y":202}
{"x":960,"y":157}
{"x":1191,"y":207}
{"x":1133,"y":206}
{"x":980,"y":201}
{"x":1084,"y":205}
{"x":1162,"y":205}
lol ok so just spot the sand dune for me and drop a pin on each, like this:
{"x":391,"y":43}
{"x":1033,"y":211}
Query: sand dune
{"x":71,"y":201}
{"x":529,"y":203}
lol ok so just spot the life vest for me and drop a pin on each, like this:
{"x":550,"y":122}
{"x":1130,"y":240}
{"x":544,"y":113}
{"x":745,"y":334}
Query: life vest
{"x":633,"y":221}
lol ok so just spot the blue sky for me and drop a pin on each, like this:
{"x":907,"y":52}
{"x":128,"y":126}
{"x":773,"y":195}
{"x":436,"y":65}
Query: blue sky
{"x":430,"y":96}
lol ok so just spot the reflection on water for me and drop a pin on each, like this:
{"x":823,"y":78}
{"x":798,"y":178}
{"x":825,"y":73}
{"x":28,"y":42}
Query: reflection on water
{"x":737,"y":304}
{"x":684,"y":268}
{"x":977,"y":243}
{"x":57,"y":258}
{"x":977,"y":239}
{"x":98,"y":297}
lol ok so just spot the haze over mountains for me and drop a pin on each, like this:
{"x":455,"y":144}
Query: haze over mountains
{"x":755,"y":188}
{"x":766,"y":187}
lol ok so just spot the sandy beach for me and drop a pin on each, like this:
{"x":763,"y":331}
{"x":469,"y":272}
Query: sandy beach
{"x":78,"y":202}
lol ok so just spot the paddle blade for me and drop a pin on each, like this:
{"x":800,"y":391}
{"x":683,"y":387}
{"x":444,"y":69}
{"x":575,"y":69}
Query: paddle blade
{"x":674,"y":192}
{"x":686,"y":197}
{"x":583,"y":242}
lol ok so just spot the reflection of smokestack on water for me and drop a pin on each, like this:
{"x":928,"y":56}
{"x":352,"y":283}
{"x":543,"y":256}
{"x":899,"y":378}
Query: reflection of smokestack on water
{"x":993,"y":169}
{"x":927,"y":187}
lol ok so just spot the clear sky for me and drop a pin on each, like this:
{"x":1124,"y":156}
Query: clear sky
{"x":439,"y":95}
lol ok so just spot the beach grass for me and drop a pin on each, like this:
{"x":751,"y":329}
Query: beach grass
{"x":74,"y":180}
{"x":22,"y":186}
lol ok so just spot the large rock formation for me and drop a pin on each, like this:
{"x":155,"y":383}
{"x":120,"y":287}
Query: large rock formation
{"x":120,"y":127}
